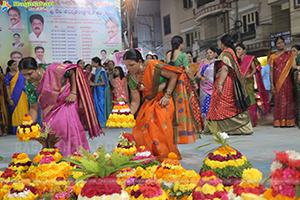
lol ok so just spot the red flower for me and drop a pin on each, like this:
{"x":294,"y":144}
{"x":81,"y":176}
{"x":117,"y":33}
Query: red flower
{"x":252,"y":190}
{"x":282,"y":157}
{"x":208,"y":173}
{"x":129,"y":137}
{"x":88,"y":191}
{"x":238,"y":190}
{"x":15,"y":155}
{"x":8,"y":173}
{"x":197,"y":195}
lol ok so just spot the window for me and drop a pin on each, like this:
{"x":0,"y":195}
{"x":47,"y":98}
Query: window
{"x":203,"y":2}
{"x":187,"y":40}
{"x":167,"y":24}
{"x":250,"y":21}
{"x":187,"y":4}
{"x":297,"y":2}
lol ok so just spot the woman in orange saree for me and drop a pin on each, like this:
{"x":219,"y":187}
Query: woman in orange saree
{"x":281,"y":79}
{"x":154,"y":123}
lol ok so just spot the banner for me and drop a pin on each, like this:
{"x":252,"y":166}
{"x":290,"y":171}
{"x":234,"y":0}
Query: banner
{"x":118,"y":59}
{"x":59,"y":30}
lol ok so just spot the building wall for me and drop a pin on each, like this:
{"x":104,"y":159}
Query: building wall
{"x":295,"y":18}
{"x":148,"y":18}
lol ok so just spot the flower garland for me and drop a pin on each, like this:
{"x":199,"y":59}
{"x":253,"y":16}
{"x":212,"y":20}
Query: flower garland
{"x":209,"y":187}
{"x":249,"y":184}
{"x":285,"y":176}
{"x":121,"y":117}
{"x":20,"y":163}
{"x":28,"y":129}
{"x":227,"y":167}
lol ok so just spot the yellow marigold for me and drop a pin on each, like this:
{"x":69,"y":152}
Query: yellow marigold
{"x":176,"y":187}
{"x":136,"y":188}
{"x":18,"y":186}
{"x":208,"y":189}
{"x":252,"y":176}
{"x":172,"y":156}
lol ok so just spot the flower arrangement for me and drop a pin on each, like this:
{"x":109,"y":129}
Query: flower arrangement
{"x":20,"y":163}
{"x":169,"y":171}
{"x":7,"y":178}
{"x":183,"y":188}
{"x":249,"y":184}
{"x":121,"y":117}
{"x":20,"y":191}
{"x":126,"y":144}
{"x":209,"y":187}
{"x":144,"y":153}
{"x":101,"y":181}
{"x":144,"y":188}
{"x":225,"y":161}
{"x":285,"y":176}
{"x":28,"y":129}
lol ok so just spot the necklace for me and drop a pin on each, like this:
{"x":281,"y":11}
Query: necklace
{"x":136,"y":79}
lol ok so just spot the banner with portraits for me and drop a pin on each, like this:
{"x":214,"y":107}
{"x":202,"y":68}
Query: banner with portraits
{"x":59,"y":30}
{"x":118,"y":59}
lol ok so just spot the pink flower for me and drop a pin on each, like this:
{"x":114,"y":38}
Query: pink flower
{"x":288,"y":190}
{"x":46,"y":160}
{"x":288,"y":174}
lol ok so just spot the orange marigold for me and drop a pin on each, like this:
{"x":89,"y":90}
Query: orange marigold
{"x":172,"y":155}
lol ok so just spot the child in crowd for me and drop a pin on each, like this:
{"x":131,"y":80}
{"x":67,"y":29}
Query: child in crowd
{"x":119,"y":84}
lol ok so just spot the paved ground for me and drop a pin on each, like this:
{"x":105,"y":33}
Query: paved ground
{"x":258,"y":148}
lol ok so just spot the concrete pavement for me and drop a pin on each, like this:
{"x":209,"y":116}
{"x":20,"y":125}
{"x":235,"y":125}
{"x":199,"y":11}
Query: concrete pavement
{"x":258,"y":148}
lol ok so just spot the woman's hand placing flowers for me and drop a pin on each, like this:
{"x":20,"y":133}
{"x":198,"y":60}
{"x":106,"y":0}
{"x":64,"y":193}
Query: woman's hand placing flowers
{"x":71,"y":97}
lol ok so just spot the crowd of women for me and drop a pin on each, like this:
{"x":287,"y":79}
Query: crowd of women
{"x":172,"y":101}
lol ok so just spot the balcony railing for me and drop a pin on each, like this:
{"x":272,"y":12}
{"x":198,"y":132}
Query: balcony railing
{"x":212,"y":10}
{"x":202,"y":2}
{"x":249,"y":35}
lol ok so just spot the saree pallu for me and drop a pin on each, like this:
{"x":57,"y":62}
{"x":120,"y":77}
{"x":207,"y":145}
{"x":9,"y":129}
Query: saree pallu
{"x":54,"y":108}
{"x":246,"y":69}
{"x":283,"y":81}
{"x":90,"y":77}
{"x":228,"y":111}
{"x":17,"y":86}
{"x":297,"y":88}
{"x":154,"y":124}
{"x":205,"y":90}
{"x":102,"y":97}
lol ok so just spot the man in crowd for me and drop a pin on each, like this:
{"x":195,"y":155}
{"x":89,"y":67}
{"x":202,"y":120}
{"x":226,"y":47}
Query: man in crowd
{"x":37,"y":26}
{"x":14,"y":16}
{"x":39,"y":55}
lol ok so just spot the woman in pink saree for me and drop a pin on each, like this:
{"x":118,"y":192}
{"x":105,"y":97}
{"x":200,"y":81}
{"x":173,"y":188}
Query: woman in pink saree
{"x":60,"y":86}
{"x":251,"y":67}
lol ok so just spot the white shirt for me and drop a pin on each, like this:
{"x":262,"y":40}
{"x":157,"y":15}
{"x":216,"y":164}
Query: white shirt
{"x":17,"y":26}
{"x":38,"y":61}
{"x":43,"y":38}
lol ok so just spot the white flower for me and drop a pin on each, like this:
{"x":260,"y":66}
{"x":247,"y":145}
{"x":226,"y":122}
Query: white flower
{"x":293,"y":155}
{"x":231,"y":195}
{"x":275,"y":165}
{"x":223,"y":135}
{"x":143,"y":154}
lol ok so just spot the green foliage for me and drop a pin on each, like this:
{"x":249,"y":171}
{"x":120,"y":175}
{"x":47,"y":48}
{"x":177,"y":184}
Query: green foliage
{"x":102,"y":166}
{"x":1,"y":158}
{"x":228,"y":171}
{"x":149,"y":164}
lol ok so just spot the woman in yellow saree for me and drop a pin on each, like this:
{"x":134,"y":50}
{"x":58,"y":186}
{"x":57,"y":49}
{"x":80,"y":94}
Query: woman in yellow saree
{"x":15,"y":86}
{"x":154,"y":123}
{"x":3,"y":111}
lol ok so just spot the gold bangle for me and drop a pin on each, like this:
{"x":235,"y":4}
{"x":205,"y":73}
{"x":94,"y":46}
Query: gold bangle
{"x":221,"y":84}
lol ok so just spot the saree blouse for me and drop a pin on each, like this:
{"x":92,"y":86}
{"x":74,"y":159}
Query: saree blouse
{"x":181,"y":60}
{"x":30,"y":88}
{"x":133,"y":85}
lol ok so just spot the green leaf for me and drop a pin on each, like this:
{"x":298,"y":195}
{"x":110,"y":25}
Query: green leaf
{"x":76,"y":162}
{"x":85,"y":177}
{"x":268,"y":178}
{"x":1,"y":158}
{"x":199,"y":147}
{"x":81,"y":170}
{"x":297,"y":191}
